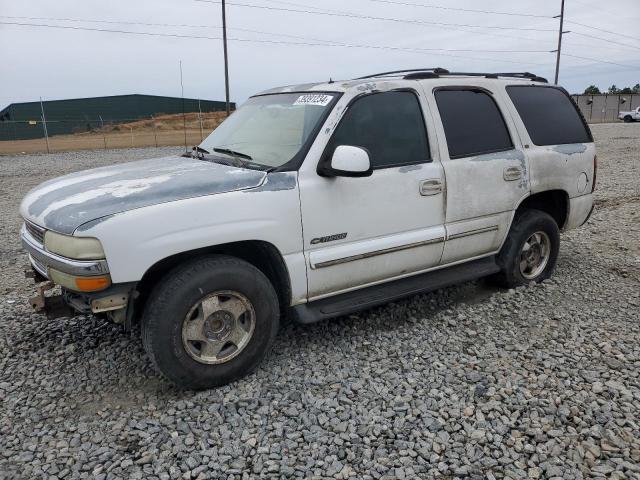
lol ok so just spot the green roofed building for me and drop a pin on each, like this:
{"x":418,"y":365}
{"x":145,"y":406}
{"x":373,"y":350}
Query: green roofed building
{"x":21,"y":121}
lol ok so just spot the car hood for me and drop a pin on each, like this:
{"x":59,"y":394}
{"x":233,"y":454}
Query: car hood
{"x":65,"y":203}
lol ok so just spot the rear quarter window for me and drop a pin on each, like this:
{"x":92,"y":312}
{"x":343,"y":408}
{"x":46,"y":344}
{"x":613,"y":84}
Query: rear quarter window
{"x":549,"y":115}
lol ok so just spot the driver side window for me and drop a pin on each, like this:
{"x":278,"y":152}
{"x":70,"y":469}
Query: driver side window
{"x":389,"y":125}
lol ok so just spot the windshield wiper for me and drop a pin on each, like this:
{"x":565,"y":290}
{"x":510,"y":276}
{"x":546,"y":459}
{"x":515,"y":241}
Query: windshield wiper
{"x":241,"y":159}
{"x":233,"y":153}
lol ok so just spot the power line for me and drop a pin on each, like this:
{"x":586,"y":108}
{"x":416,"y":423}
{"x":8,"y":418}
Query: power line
{"x":433,"y":51}
{"x":397,"y":2}
{"x":602,"y":30}
{"x":586,"y":35}
{"x":448,"y":29}
{"x":602,"y":61}
{"x":147,"y":24}
{"x":183,"y":25}
{"x":344,"y":12}
{"x":372,"y":17}
{"x":468,"y":10}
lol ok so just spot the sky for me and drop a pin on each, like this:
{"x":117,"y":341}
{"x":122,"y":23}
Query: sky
{"x":56,"y":63}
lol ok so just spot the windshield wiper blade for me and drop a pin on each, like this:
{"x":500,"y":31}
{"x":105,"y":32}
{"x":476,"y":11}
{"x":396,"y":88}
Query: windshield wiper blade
{"x":233,"y":153}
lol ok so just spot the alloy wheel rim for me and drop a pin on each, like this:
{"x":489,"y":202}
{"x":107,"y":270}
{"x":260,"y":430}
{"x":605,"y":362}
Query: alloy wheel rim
{"x":534,"y":255}
{"x":218,"y":327}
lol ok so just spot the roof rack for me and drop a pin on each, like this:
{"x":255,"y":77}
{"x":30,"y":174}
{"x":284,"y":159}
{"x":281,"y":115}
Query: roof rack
{"x":422,"y":73}
{"x":526,"y":75}
{"x":435,"y":70}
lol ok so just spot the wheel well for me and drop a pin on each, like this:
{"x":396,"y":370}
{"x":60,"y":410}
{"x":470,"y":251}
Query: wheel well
{"x":262,"y":255}
{"x":553,"y":202}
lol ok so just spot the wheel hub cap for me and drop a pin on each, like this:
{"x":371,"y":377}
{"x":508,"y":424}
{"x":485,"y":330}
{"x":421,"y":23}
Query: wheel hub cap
{"x":534,"y":255}
{"x":218,"y":327}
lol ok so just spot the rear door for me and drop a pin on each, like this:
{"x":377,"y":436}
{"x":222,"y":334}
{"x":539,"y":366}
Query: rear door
{"x":485,"y":167}
{"x":361,"y":231}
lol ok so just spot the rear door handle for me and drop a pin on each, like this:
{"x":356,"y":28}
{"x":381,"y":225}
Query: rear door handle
{"x":431,"y":186}
{"x":512,"y":173}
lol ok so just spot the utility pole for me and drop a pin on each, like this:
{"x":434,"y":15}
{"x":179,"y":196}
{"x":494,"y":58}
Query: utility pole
{"x":560,"y":32}
{"x":226,"y":59}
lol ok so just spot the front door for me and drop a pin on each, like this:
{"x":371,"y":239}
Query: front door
{"x":485,"y":167}
{"x":361,"y":231}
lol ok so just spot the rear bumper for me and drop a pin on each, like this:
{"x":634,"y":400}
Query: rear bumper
{"x":580,"y":209}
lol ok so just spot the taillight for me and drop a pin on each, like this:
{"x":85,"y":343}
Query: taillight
{"x":595,"y":171}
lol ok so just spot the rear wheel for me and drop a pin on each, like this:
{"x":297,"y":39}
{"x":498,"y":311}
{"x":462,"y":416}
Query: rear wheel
{"x":628,"y":119}
{"x":530,"y":251}
{"x":210,"y":322}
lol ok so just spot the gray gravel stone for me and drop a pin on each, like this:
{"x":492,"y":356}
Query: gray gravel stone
{"x":466,"y":382}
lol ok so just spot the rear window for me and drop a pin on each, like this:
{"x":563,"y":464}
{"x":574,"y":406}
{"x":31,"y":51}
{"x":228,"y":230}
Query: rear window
{"x":472,"y":123}
{"x":550,"y":116}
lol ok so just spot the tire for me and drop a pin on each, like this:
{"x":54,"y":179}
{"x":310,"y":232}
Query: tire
{"x":184,"y":298}
{"x":628,"y":119}
{"x":524,"y":226}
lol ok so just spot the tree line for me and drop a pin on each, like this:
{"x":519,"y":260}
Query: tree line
{"x":614,"y":90}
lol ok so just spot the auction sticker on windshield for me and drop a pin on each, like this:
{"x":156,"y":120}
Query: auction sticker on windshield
{"x":314,"y":99}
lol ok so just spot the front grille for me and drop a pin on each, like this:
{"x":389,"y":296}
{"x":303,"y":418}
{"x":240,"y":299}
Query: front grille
{"x":36,"y":232}
{"x":40,"y":267}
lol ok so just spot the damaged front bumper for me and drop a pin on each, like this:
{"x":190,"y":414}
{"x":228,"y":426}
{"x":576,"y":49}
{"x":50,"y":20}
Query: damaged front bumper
{"x":114,"y":300}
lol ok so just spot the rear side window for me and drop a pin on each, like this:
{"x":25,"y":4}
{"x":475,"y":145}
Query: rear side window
{"x":550,"y":116}
{"x":472,"y":123}
{"x":389,"y":125}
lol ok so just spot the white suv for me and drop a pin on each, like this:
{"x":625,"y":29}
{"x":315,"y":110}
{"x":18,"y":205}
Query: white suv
{"x":314,"y":201}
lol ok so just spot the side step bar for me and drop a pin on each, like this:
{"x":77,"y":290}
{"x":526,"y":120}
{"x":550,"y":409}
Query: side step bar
{"x":375,"y":295}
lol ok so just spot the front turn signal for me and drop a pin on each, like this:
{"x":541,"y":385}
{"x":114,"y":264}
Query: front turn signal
{"x":92,"y":284}
{"x":79,"y":284}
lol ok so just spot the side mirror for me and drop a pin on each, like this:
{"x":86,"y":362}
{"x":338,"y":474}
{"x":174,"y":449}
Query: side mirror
{"x":347,"y":161}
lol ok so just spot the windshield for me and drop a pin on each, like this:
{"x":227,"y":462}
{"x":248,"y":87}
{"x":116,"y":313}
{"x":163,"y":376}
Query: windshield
{"x":271,"y":129}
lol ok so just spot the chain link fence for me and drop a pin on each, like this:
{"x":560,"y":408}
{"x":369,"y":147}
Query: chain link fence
{"x":104,"y":133}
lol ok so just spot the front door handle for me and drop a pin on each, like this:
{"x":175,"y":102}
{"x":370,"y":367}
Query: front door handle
{"x":431,"y":186}
{"x":512,"y":173}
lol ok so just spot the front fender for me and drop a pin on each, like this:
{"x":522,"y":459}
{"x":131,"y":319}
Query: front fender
{"x":135,"y":240}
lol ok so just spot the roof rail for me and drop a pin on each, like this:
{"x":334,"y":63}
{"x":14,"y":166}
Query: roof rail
{"x":436,"y":70}
{"x":531,"y":76}
{"x":422,"y":73}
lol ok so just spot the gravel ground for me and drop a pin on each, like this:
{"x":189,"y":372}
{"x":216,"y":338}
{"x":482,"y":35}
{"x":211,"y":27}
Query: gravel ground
{"x":469,"y":381}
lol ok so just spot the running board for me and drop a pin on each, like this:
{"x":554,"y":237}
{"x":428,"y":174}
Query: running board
{"x":375,"y":295}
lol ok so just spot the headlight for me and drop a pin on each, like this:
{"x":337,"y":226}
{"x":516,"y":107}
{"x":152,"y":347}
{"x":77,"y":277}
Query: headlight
{"x":78,"y":248}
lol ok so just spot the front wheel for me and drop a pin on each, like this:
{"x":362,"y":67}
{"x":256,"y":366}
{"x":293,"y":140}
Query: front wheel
{"x":530,"y":251}
{"x":210,"y":322}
